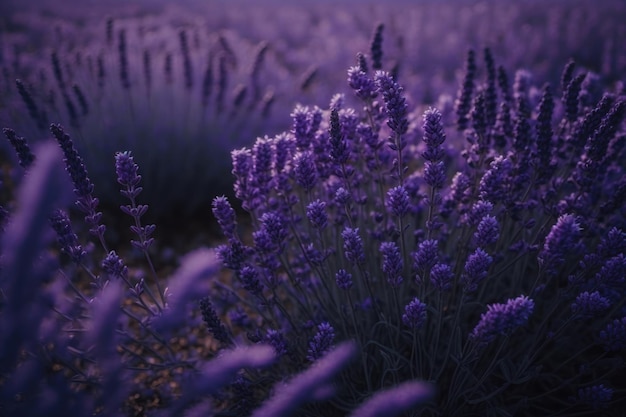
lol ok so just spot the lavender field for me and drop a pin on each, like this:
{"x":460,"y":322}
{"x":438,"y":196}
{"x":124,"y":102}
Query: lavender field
{"x":323,"y":208}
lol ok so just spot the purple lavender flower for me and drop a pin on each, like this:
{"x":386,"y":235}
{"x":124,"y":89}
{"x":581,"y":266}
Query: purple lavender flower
{"x":342,"y":196}
{"x":300,"y":126}
{"x":363,"y":85}
{"x":353,"y":245}
{"x":504,"y":126}
{"x":274,"y":225}
{"x":571,"y":97}
{"x":238,"y":317}
{"x":322,"y":342}
{"x":487,"y":231}
{"x":127,"y":174}
{"x":434,"y":174}
{"x":612,"y":274}
{"x":73,"y":162}
{"x":441,"y":276}
{"x":128,"y":177}
{"x":284,"y":148}
{"x":309,"y":385}
{"x":478,"y":212}
{"x":217,"y":373}
{"x":395,"y":105}
{"x":56,"y":70}
{"x":545,"y":133}
{"x":426,"y":256}
{"x":494,"y":183}
{"x":376,"y":47}
{"x":589,"y":305}
{"x":249,"y":278}
{"x":613,"y":337}
{"x":392,"y":263}
{"x":304,"y":170}
{"x":316,"y":213}
{"x":242,"y":163}
{"x":584,"y":130}
{"x":68,"y":241}
{"x":304,"y":126}
{"x":491,"y":97}
{"x":414,"y":315}
{"x":395,"y":401}
{"x":361,"y":62}
{"x":464,"y":100}
{"x":434,"y":136}
{"x":502,"y":319}
{"x":595,"y":396}
{"x":479,"y":117}
{"x":457,"y":196}
{"x":338,"y":147}
{"x":242,"y":170}
{"x":613,"y":243}
{"x":262,"y":159}
{"x":263,"y":242}
{"x":213,"y":323}
{"x":24,"y":154}
{"x":343,"y":279}
{"x":562,"y":240}
{"x":398,"y":201}
{"x":113,"y":265}
{"x":276,"y":339}
{"x":475,"y":270}
{"x":521,"y":85}
{"x":225,"y":215}
{"x":522,"y":145}
{"x":590,"y":166}
{"x":33,"y":110}
{"x":233,"y":254}
{"x":567,"y":74}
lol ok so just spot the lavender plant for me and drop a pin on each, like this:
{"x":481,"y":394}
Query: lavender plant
{"x":85,"y":339}
{"x":494,"y":272}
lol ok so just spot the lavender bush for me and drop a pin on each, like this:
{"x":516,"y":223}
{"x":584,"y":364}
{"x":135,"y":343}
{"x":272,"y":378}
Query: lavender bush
{"x":487,"y":260}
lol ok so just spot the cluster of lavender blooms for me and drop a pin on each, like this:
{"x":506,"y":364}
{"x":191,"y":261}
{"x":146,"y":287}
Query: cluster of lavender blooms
{"x":164,"y":85}
{"x":82,"y":333}
{"x":487,"y":259}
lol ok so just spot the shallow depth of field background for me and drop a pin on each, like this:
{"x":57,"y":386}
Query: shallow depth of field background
{"x":308,"y":47}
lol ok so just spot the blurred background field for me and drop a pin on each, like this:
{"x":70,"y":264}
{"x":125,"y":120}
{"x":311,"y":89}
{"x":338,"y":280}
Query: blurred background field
{"x":245,"y":65}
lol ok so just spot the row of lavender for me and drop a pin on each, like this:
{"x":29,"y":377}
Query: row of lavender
{"x":182,"y":91}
